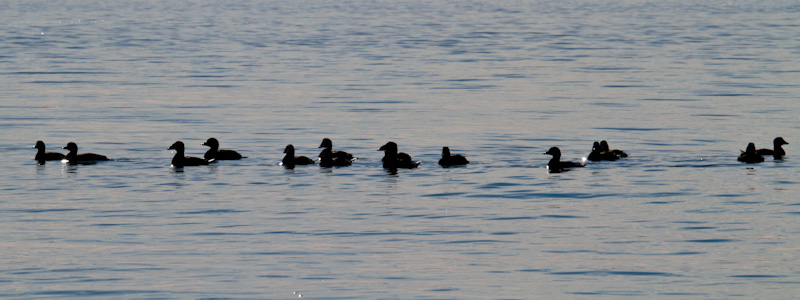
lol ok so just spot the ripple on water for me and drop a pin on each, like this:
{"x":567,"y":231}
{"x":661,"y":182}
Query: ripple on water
{"x":617,"y":273}
{"x":212,"y":211}
{"x":758,"y":276}
{"x":707,"y":241}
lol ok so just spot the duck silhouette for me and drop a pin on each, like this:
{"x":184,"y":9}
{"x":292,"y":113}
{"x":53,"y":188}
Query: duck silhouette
{"x":339,"y":155}
{"x":73,"y":157}
{"x":556,"y":165}
{"x":180,"y":160}
{"x":290,"y":161}
{"x":394,"y":160}
{"x":327,"y":159}
{"x":451,"y":159}
{"x":777,"y":151}
{"x":216,"y":154}
{"x":604,"y":147}
{"x":598,"y":154}
{"x":750,"y":155}
{"x":42,"y":156}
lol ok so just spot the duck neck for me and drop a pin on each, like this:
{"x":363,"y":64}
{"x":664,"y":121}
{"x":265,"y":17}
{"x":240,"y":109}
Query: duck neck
{"x":179,"y":156}
{"x":779,"y":149}
{"x":555,"y":164}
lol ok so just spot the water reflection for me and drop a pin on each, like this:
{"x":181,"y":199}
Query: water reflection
{"x":68,"y":168}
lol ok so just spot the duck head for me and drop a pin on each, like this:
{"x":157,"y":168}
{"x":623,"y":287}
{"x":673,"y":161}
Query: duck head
{"x":326,"y":143}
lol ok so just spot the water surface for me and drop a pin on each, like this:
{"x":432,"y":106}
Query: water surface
{"x":681,"y":86}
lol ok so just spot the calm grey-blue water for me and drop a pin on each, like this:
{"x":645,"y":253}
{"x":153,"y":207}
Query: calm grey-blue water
{"x":682,"y":86}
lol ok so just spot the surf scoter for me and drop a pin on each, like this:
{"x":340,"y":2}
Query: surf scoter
{"x":556,"y":165}
{"x":393,"y":160}
{"x":344,"y":156}
{"x":42,"y":156}
{"x":598,"y":154}
{"x":778,"y":150}
{"x":289,"y":160}
{"x":216,"y":154}
{"x":450,"y":159}
{"x":180,"y":160}
{"x":74,"y":157}
{"x":750,"y":156}
{"x":604,"y":147}
{"x":327,"y":159}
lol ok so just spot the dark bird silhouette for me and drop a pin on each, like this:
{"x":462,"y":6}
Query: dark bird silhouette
{"x":289,"y":160}
{"x":42,"y":156}
{"x":327,"y":159}
{"x":604,"y":147}
{"x":340,"y":155}
{"x":180,"y":160}
{"x":598,"y":154}
{"x":393,"y":160}
{"x":556,"y":165}
{"x":450,"y":159}
{"x":216,"y":154}
{"x":73,"y":156}
{"x":750,"y":156}
{"x":778,"y":151}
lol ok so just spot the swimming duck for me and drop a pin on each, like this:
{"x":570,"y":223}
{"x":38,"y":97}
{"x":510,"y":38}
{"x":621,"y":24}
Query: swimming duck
{"x":74,"y":157}
{"x":750,"y":156}
{"x":344,"y":156}
{"x":289,"y":161}
{"x":778,"y":152}
{"x":598,"y":154}
{"x":393,"y":160}
{"x":180,"y":160}
{"x":216,"y":154}
{"x":450,"y":159}
{"x":42,"y":156}
{"x":556,"y":165}
{"x":327,"y":159}
{"x":604,"y":147}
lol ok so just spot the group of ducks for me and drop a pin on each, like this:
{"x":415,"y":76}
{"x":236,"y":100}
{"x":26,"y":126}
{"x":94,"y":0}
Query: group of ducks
{"x":392,"y":159}
{"x":601,"y":151}
{"x":327,"y":158}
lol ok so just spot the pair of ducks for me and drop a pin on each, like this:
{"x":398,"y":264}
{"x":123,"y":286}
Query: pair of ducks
{"x":73,"y":157}
{"x":180,"y":160}
{"x":327,"y":158}
{"x":392,"y":159}
{"x":600,"y":151}
{"x":753,"y":155}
